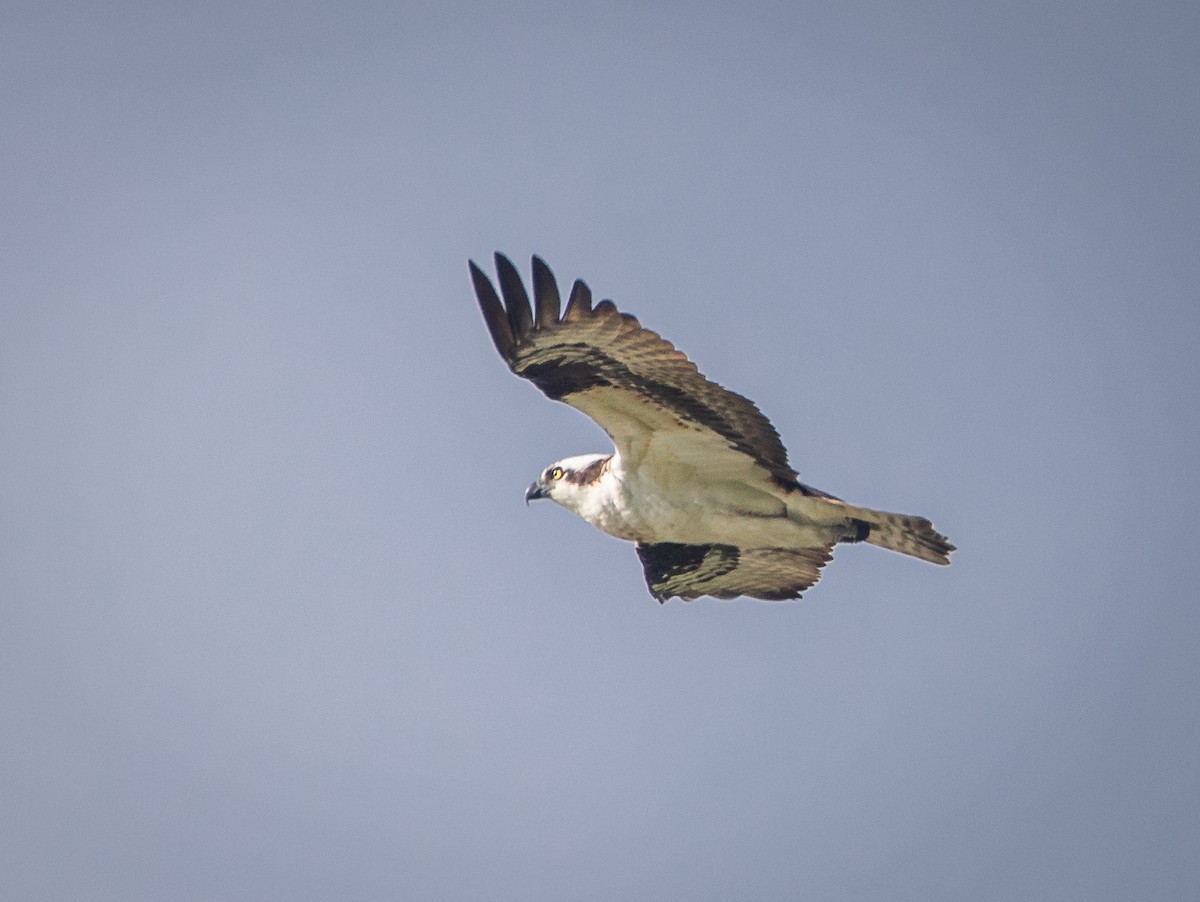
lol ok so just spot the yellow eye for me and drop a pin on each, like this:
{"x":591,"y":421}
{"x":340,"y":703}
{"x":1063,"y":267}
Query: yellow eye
{"x":556,"y":473}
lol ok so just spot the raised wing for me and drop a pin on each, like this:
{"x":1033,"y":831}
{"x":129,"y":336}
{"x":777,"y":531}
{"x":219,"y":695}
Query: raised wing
{"x":725,"y":571}
{"x":651,"y":400}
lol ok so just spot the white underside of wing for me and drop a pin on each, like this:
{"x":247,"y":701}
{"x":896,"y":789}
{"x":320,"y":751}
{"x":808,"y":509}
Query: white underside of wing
{"x":650,"y":437}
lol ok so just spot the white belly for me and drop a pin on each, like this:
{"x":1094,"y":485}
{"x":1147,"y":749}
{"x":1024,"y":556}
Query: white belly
{"x":698,"y":514}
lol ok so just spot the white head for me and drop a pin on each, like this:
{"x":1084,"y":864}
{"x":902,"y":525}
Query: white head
{"x":567,"y":481}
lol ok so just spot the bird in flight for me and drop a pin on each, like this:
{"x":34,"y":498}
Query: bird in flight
{"x":699,"y":478}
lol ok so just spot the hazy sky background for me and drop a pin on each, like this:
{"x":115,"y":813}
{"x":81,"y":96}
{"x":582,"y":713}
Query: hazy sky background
{"x":276,"y":624}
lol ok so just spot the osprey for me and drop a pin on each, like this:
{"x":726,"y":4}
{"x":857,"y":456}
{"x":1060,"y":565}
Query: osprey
{"x":699,"y":478}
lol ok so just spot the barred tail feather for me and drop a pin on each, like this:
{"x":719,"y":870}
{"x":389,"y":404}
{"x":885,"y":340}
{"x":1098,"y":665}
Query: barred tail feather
{"x":914,"y":536}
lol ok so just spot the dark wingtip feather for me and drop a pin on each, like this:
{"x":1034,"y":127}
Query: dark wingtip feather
{"x":579,"y":305}
{"x":493,"y":312}
{"x":516,"y":301}
{"x":546,"y":302}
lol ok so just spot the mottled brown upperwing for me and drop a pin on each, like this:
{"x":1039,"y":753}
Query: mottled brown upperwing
{"x":585,"y":347}
{"x":725,"y":571}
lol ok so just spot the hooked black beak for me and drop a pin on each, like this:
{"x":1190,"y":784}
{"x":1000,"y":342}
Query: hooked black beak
{"x":535,"y":491}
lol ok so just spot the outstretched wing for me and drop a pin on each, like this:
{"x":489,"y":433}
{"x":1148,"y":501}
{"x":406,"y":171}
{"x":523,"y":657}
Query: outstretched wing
{"x":651,"y":400}
{"x":725,"y":571}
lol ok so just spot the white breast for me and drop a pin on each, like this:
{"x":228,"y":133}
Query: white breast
{"x":633,"y":507}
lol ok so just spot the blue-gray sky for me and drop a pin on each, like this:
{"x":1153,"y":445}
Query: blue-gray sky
{"x":276,"y":624}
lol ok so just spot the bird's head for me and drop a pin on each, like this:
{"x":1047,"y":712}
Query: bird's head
{"x":568,"y":480}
